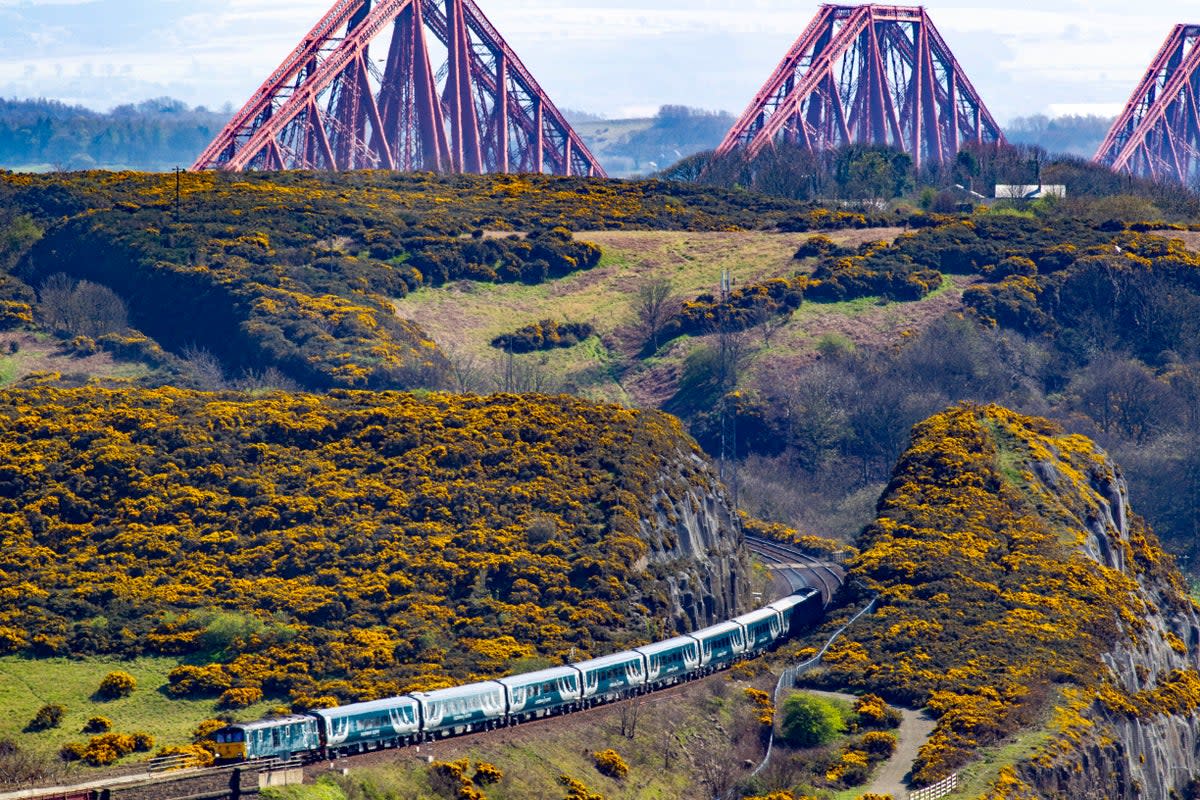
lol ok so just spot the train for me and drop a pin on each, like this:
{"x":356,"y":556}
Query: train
{"x":424,"y":716}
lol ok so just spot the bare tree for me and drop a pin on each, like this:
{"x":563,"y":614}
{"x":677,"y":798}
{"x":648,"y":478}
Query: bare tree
{"x":708,"y":752}
{"x":631,"y":711}
{"x":100,"y":310}
{"x":653,"y":306}
{"x":769,"y":322}
{"x":204,"y":369}
{"x":80,"y":309}
{"x":55,"y":307}
{"x":259,"y":380}
{"x":522,"y":375}
{"x":465,"y":369}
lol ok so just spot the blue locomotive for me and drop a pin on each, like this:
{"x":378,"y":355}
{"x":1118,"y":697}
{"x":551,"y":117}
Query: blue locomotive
{"x":422,"y":716}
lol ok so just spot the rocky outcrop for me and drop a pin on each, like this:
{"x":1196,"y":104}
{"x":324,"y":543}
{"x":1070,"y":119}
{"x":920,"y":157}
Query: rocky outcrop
{"x":695,"y":549}
{"x":1149,"y":748}
{"x":1017,"y":591}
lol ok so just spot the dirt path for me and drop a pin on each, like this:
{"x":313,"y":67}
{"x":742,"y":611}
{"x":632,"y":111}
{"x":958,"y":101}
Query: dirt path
{"x":915,"y":729}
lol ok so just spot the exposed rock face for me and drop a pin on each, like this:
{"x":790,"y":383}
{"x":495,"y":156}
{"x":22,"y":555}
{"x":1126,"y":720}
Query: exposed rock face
{"x":1156,"y":751}
{"x":1017,"y":591}
{"x":695,"y":547}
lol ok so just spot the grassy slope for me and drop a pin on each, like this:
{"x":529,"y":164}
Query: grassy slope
{"x":42,"y":353}
{"x":464,"y":317}
{"x":26,"y":685}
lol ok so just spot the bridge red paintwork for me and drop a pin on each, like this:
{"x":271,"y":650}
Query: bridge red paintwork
{"x":333,"y":105}
{"x":868,"y":74}
{"x":1158,"y":134}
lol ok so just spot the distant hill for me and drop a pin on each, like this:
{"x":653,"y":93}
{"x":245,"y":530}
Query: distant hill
{"x":154,"y":135}
{"x":1070,"y":135}
{"x":642,"y":146}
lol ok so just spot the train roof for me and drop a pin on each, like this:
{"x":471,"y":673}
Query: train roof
{"x":455,"y":692}
{"x":538,"y":676}
{"x":623,"y":657}
{"x":270,"y":722}
{"x":665,"y":646}
{"x":386,"y":704}
{"x":792,"y":600}
{"x":719,"y":629}
{"x":757,"y":615}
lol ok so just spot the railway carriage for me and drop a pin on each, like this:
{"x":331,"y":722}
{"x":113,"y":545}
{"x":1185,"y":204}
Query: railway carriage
{"x":394,"y":721}
{"x":608,"y":677}
{"x":801,"y":609}
{"x":720,"y":644}
{"x":536,"y":694}
{"x":424,"y":715}
{"x":459,"y":709}
{"x":275,"y":737}
{"x":670,"y":661}
{"x":763,"y":627}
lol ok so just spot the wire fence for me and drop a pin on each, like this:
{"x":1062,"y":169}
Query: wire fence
{"x":788,"y":678}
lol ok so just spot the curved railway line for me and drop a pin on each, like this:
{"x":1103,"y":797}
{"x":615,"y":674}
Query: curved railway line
{"x":799,"y":570}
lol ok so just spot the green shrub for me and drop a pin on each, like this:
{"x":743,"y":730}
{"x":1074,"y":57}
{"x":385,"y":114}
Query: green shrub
{"x":879,"y":745}
{"x":116,"y":684}
{"x":97,"y":725}
{"x":48,"y":716}
{"x":811,"y":721}
{"x":609,"y":762}
{"x":72,"y":751}
{"x":544,"y":335}
{"x":240,"y":697}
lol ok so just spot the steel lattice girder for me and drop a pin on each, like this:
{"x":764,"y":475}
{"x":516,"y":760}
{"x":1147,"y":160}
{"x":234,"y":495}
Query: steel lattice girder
{"x":1158,"y":134}
{"x":867,"y":75}
{"x":334,"y":105}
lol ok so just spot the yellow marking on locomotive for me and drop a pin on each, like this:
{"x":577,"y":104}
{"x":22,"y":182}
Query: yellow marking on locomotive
{"x":231,"y":751}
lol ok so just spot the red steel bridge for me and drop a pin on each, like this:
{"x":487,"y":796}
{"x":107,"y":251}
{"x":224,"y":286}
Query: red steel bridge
{"x":404,"y":85}
{"x":867,"y":74}
{"x":1158,"y":134}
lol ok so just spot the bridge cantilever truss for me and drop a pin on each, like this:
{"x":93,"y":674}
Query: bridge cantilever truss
{"x":333,"y":105}
{"x":1158,"y":134}
{"x":868,"y":74}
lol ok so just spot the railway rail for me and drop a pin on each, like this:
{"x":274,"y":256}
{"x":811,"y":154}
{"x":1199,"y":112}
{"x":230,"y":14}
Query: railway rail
{"x":799,"y":569}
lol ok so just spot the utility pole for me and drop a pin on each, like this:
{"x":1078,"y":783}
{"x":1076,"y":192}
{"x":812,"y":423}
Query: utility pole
{"x":178,"y":171}
{"x":728,"y":382}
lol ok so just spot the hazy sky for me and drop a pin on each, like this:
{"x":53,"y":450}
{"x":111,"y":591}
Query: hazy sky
{"x":615,"y":58}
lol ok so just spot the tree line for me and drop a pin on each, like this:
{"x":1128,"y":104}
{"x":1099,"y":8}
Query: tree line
{"x":154,"y":135}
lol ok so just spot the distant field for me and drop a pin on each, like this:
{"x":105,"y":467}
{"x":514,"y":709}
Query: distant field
{"x":464,"y":317}
{"x":28,"y":684}
{"x":42,"y":353}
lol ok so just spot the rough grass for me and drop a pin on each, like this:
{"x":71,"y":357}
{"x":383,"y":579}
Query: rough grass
{"x":43,"y":353}
{"x":464,"y":317}
{"x":28,"y":684}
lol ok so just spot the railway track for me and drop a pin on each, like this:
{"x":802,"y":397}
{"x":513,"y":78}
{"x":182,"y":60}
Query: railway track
{"x":799,"y":569}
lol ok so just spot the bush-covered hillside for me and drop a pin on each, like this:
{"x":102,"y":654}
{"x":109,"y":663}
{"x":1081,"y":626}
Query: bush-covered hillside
{"x":1005,"y":566}
{"x":350,"y":545}
{"x":296,"y":273}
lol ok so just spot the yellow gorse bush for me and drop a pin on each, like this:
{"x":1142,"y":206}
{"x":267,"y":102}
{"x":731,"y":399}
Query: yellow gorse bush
{"x":332,"y":548}
{"x":988,"y":603}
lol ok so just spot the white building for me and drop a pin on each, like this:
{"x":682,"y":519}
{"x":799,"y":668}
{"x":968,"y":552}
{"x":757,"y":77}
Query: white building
{"x":1029,"y":192}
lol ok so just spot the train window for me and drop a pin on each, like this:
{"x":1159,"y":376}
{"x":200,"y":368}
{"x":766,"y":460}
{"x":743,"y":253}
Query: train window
{"x":275,"y":737}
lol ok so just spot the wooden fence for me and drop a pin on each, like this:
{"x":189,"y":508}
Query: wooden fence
{"x":940,"y":789}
